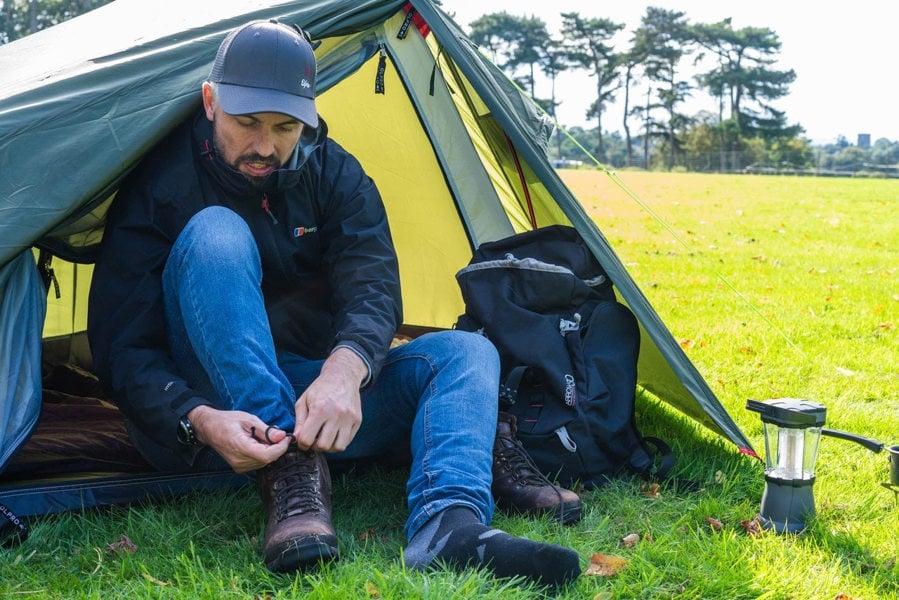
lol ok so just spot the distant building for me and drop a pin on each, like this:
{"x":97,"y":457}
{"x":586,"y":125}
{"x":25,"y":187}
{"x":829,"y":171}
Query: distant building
{"x":864,"y":140}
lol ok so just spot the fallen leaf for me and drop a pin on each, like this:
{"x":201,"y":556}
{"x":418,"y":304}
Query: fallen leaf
{"x":753,"y":527}
{"x":152,"y":579}
{"x":124,"y":545}
{"x":686,"y":344}
{"x":605,"y":565}
{"x":842,"y":596}
{"x":715,"y":523}
{"x":886,"y":325}
{"x":719,"y":477}
{"x":631,"y":540}
{"x":650,"y":490}
{"x":371,"y":590}
{"x":647,"y":537}
{"x":368,"y":533}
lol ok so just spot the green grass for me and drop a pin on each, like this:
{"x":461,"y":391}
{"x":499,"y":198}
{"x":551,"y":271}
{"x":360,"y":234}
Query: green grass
{"x":775,"y":287}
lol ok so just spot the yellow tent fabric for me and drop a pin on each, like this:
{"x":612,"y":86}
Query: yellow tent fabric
{"x":430,"y":241}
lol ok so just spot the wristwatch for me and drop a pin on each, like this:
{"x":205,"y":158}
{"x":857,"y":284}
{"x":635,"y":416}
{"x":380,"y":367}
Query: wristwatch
{"x":186,"y":434}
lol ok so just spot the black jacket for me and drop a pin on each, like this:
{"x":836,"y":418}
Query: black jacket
{"x":330,"y":274}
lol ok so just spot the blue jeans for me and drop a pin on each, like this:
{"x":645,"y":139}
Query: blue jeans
{"x":435,"y":395}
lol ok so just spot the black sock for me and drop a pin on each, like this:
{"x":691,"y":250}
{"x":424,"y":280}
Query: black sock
{"x":456,"y":538}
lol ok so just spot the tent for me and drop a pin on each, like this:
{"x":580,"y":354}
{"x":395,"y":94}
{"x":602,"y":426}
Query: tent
{"x":456,"y":150}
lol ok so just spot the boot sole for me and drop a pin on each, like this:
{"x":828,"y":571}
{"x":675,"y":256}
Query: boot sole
{"x":568,"y":513}
{"x":302,"y":553}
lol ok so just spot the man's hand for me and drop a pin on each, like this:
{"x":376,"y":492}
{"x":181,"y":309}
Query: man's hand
{"x":239,"y":437}
{"x":329,"y":412}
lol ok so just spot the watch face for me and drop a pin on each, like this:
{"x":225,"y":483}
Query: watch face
{"x":186,"y":432}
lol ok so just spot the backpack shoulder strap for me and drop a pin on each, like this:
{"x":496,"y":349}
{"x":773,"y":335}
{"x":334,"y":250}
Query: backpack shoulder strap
{"x":663,"y":457}
{"x":508,"y":387}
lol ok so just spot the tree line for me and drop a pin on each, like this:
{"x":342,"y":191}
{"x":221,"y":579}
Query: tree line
{"x":19,"y":18}
{"x":734,"y":66}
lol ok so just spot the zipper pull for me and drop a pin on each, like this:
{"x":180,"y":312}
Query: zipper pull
{"x":52,"y":274}
{"x":382,"y":68}
{"x":404,"y":28}
{"x":267,"y":209}
{"x":48,"y":275}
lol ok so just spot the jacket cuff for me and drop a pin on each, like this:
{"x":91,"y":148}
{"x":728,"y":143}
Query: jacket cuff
{"x":361,"y":354}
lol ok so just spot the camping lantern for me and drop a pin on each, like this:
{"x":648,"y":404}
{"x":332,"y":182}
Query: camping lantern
{"x":792,"y":432}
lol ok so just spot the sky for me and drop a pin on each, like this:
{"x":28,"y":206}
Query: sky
{"x":844,"y":56}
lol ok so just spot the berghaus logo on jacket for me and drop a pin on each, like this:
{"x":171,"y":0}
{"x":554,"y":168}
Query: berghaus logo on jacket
{"x":301,"y":231}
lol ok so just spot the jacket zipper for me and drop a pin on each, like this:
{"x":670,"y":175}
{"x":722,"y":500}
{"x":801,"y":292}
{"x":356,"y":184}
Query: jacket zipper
{"x":267,"y":209}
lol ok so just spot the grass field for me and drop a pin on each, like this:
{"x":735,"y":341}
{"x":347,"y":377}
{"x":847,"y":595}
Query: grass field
{"x":775,"y":287}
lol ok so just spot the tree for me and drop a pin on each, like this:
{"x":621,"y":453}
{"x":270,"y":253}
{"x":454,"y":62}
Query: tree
{"x":885,"y":152}
{"x":515,"y":43}
{"x":530,"y":42}
{"x":493,"y":32}
{"x":743,"y":72}
{"x":630,"y":61}
{"x":664,"y":37}
{"x":851,"y":158}
{"x":19,"y":18}
{"x":793,"y":152}
{"x":587,"y":45}
{"x":701,"y":142}
{"x":554,"y":62}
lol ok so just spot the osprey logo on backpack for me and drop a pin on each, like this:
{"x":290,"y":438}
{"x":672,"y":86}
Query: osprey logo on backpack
{"x":568,"y":352}
{"x":569,"y":390}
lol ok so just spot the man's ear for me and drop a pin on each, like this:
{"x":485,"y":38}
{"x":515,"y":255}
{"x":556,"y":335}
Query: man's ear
{"x":209,"y":100}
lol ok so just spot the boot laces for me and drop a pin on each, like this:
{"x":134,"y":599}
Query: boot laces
{"x":295,"y":483}
{"x":521,"y":465}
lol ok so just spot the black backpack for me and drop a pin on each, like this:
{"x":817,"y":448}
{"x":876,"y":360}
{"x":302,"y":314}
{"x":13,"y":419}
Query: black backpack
{"x":568,"y":352}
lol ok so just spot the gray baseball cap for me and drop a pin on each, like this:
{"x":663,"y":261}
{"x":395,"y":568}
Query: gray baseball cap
{"x":266,"y":66}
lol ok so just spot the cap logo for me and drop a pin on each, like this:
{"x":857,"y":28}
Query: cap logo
{"x":305,"y":83}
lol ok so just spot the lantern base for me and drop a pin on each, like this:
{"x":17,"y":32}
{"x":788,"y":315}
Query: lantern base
{"x":786,"y":504}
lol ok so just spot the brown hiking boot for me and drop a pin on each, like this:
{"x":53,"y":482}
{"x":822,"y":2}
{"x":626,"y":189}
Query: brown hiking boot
{"x":296,"y":491}
{"x":519,"y":486}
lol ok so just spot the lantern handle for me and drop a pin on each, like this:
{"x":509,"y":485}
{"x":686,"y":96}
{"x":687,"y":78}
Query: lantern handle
{"x":869,"y":443}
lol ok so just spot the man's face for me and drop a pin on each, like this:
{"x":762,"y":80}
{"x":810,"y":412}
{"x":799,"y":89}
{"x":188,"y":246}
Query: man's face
{"x":254,"y":144}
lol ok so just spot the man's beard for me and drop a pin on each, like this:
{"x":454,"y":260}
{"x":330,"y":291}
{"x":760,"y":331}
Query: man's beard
{"x":258,"y":182}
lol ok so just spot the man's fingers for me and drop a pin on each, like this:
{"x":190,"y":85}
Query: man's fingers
{"x":326,"y":440}
{"x":344,"y":436}
{"x":307,"y":433}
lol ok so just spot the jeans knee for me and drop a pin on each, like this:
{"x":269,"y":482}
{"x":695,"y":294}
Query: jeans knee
{"x":472,"y":349}
{"x":217,"y":236}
